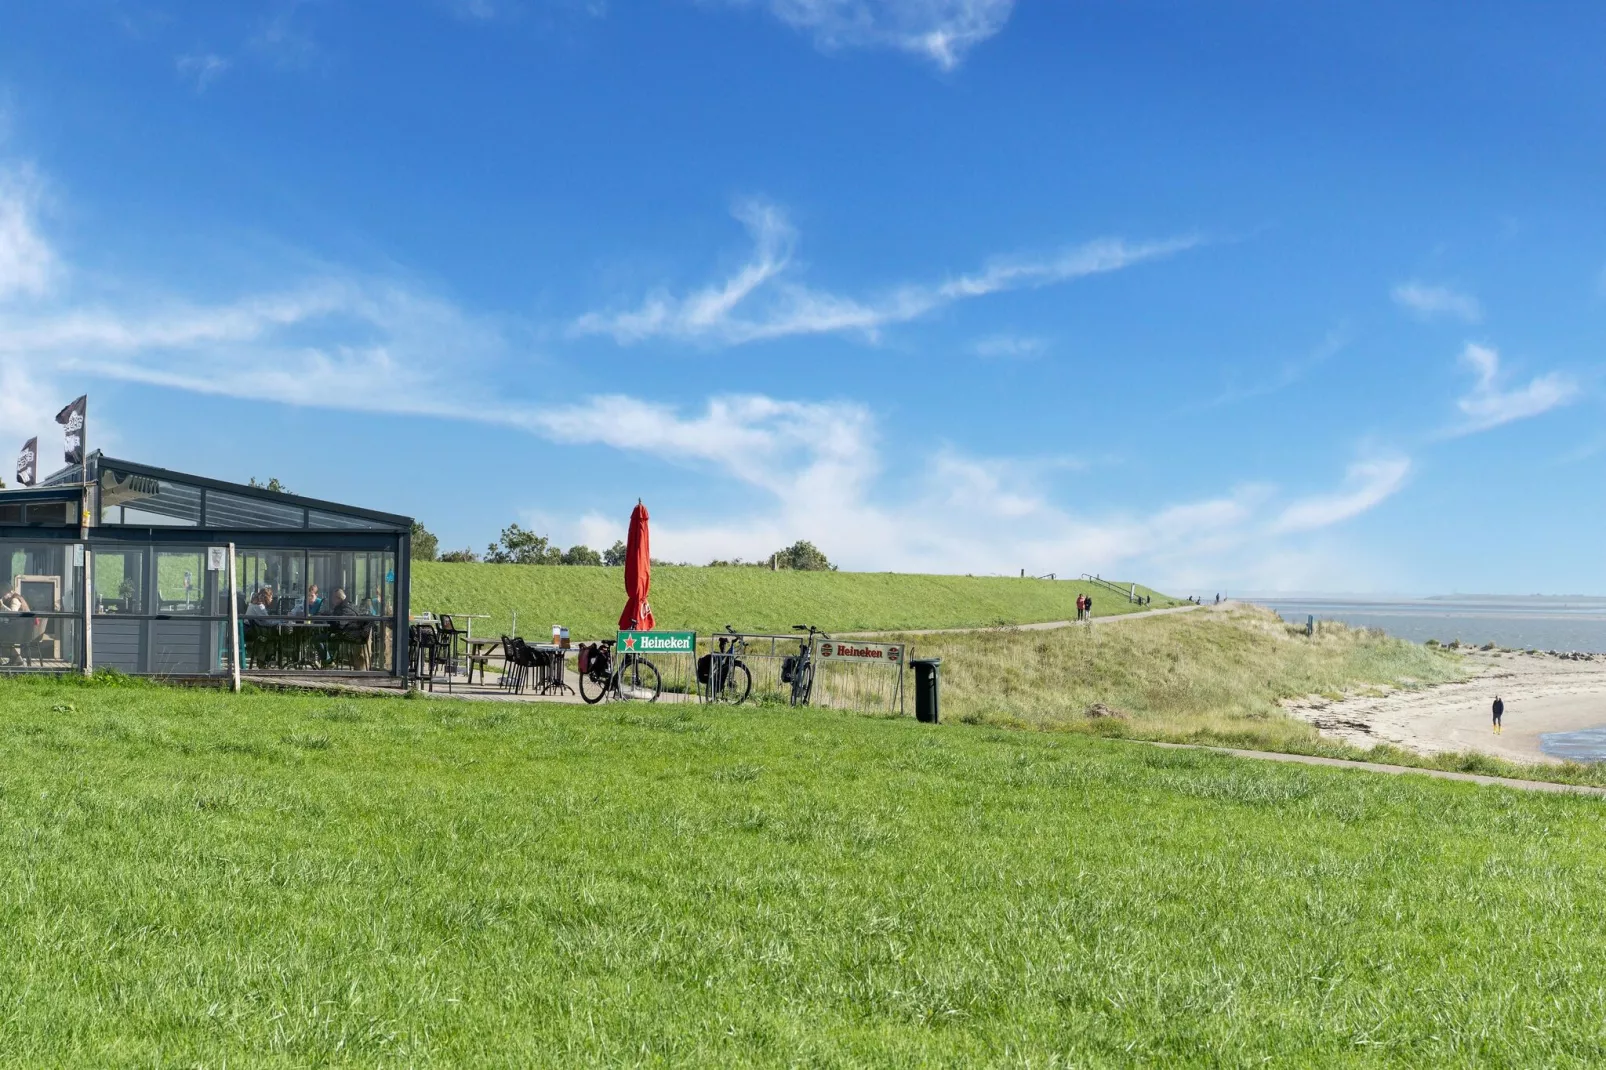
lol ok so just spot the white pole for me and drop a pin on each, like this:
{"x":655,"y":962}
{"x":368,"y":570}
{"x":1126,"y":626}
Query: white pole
{"x":234,"y":626}
{"x":88,"y":591}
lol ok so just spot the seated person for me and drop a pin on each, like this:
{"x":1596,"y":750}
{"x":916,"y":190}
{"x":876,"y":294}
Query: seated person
{"x":374,"y":604}
{"x":10,"y":630}
{"x":338,"y":606}
{"x":311,"y":604}
{"x":261,"y":603}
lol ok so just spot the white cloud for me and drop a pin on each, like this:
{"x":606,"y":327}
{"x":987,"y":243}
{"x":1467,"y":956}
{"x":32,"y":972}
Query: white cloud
{"x":761,"y":300}
{"x":1488,"y":406}
{"x":28,"y":265}
{"x":1431,"y":302}
{"x":819,"y":469}
{"x":201,"y":68}
{"x":942,"y":31}
{"x":1010,"y":347}
{"x":1366,"y":485}
{"x":793,"y":469}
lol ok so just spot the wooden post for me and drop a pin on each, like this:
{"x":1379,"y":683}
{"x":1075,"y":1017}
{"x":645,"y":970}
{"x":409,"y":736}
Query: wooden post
{"x":234,"y":627}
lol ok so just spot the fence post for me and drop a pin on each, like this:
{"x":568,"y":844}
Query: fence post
{"x":234,"y":628}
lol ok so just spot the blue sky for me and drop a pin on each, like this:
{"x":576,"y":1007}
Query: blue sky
{"x":1234,"y":295}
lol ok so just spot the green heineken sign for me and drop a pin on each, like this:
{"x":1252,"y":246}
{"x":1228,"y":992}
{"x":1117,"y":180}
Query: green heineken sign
{"x":657,"y":642}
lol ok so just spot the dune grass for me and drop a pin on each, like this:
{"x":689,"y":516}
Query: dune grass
{"x":194,"y":878}
{"x":1216,"y":678}
{"x":587,"y":601}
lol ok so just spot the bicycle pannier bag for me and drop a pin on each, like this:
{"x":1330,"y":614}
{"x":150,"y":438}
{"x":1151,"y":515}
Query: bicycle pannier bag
{"x":704,"y":665}
{"x":788,"y":669}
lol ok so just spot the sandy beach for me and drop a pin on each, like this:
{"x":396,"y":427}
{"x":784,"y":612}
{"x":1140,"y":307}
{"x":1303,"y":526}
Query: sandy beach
{"x":1543,"y":693}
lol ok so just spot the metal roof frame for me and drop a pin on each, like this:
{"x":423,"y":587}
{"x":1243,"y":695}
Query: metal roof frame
{"x":400,"y":523}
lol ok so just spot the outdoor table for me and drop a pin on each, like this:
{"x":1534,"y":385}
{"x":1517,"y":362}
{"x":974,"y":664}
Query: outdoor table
{"x":479,"y":653}
{"x":551,"y":681}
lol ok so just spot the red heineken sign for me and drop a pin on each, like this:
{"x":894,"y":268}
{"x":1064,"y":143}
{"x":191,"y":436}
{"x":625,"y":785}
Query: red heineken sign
{"x":844,"y":650}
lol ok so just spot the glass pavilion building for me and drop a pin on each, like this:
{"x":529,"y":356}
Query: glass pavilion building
{"x":136,"y":560}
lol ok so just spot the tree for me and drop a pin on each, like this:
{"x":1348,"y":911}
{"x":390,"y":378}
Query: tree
{"x":519,"y":546}
{"x":614,"y":556}
{"x":460,"y":557}
{"x":272,"y":484}
{"x":425,"y":545}
{"x":803,"y":556}
{"x":581,"y":555}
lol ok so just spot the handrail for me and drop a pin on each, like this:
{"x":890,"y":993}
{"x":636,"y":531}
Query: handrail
{"x":1124,"y":592}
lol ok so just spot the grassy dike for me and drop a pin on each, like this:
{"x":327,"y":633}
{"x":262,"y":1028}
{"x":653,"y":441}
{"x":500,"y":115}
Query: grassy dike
{"x":287,"y":880}
{"x":587,"y":600}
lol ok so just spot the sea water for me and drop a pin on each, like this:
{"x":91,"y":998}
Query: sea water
{"x":1564,"y":624}
{"x":1587,"y":745}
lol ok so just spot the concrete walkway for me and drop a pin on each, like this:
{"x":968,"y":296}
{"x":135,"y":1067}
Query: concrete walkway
{"x":1044,"y":626}
{"x":1377,"y":767}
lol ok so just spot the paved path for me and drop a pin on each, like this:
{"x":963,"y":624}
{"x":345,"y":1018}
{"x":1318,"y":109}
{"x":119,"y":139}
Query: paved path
{"x":1377,"y":767}
{"x":1044,"y":626}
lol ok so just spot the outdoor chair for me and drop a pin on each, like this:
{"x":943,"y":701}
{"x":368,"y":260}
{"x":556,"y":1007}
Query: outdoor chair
{"x":423,"y":640}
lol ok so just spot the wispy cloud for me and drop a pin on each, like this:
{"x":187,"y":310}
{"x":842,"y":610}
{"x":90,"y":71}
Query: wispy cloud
{"x":1432,"y":302}
{"x":761,"y":300}
{"x":1488,"y":406}
{"x":201,"y":69}
{"x":28,"y":265}
{"x":818,"y":465}
{"x":1010,"y":347}
{"x":1287,"y":375}
{"x":942,"y":31}
{"x":791,"y":468}
{"x":1366,"y":485}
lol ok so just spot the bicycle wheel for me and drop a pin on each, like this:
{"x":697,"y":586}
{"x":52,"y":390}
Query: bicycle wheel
{"x":737,"y":682}
{"x":594,"y":688}
{"x":802,"y":683}
{"x":638,"y":681}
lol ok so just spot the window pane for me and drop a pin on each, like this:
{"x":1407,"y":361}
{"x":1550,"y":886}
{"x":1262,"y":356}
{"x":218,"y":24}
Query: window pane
{"x":145,"y":502}
{"x":39,"y":644}
{"x":120,"y":581}
{"x":183,"y":585}
{"x":41,"y":574}
{"x":42,"y":514}
{"x":341,"y":521}
{"x":271,"y":582}
{"x":237,"y":511}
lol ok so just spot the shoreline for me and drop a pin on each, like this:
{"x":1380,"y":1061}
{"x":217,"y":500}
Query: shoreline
{"x":1543,"y":693}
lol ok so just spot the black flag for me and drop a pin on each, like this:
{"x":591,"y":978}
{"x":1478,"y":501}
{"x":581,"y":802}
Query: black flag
{"x":72,"y":421}
{"x":28,"y":462}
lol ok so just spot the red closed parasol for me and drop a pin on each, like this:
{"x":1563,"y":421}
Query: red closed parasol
{"x":638,"y":574}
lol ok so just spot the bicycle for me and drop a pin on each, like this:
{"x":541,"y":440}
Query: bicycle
{"x":799,"y":671}
{"x":631,"y":679}
{"x":724,"y":672}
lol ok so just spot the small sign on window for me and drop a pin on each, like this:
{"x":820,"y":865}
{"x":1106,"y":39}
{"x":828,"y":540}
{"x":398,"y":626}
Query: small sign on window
{"x":217,"y":558}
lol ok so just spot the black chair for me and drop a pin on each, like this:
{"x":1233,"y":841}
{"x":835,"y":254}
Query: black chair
{"x":422,"y":646}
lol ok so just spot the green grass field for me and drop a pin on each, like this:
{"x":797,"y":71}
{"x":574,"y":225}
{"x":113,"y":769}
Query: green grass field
{"x":192,"y":878}
{"x":587,"y":601}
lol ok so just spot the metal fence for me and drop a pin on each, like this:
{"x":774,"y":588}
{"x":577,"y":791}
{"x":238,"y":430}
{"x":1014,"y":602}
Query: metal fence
{"x":838,"y":683}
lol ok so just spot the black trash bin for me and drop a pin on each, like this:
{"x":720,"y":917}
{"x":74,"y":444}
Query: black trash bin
{"x":926,"y":697}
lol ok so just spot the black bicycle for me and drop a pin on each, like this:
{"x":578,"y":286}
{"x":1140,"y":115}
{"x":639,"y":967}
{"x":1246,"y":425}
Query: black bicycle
{"x":723,"y":672}
{"x":628,"y":677}
{"x":799,"y":670}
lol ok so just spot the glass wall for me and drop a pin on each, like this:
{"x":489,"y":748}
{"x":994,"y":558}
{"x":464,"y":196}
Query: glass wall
{"x":311,"y":610}
{"x":40,"y":607}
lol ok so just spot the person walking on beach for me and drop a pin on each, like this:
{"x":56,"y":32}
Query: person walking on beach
{"x":1499,"y":712}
